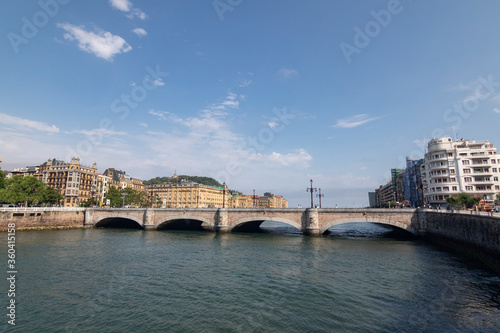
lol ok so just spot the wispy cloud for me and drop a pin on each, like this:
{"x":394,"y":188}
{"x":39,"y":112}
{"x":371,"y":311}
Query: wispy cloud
{"x":27,"y":124}
{"x":140,"y":32}
{"x":245,"y":83}
{"x":127,"y":7}
{"x":496,"y":110}
{"x":162,"y":115}
{"x":288,"y":74}
{"x":354,"y":121}
{"x":101,"y":43}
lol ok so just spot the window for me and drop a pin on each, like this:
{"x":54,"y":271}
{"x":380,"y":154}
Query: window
{"x":469,"y":188}
{"x":468,"y":179}
{"x":466,"y":170}
{"x":454,"y":188}
{"x":450,"y":154}
{"x":452,"y":171}
{"x":465,"y":162}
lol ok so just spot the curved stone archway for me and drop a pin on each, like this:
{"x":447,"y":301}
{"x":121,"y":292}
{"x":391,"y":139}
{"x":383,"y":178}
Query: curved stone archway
{"x":101,"y":222}
{"x":393,"y":223}
{"x":205,"y":223}
{"x":256,"y":222}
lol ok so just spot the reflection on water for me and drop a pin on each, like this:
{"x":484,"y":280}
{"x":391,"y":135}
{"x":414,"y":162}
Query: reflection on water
{"x":352,"y":280}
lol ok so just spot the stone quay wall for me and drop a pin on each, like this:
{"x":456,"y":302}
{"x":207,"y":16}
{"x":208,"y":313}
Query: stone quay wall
{"x":42,"y":219}
{"x":480,"y":231}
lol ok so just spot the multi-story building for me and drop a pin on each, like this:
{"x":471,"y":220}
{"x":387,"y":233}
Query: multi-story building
{"x":241,"y":201}
{"x":120,"y":179}
{"x":412,"y":182}
{"x":187,"y":195}
{"x":384,"y":194}
{"x":77,"y":183}
{"x":451,"y":167}
{"x":371,"y":199}
{"x":270,"y":200}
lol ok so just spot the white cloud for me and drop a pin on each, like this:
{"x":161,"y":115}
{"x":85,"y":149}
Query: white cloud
{"x":123,"y":5}
{"x":162,"y":115}
{"x":288,"y":74}
{"x":272,"y":124}
{"x":27,"y":124}
{"x":97,"y":132}
{"x":140,"y":32}
{"x":354,"y":121}
{"x":496,"y":110}
{"x":127,"y":7}
{"x":101,"y":43}
{"x":300,"y":159}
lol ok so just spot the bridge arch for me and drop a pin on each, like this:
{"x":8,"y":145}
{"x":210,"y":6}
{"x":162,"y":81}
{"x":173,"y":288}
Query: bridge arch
{"x":393,"y":223}
{"x":258,"y":221}
{"x":102,"y":221}
{"x":205,"y":222}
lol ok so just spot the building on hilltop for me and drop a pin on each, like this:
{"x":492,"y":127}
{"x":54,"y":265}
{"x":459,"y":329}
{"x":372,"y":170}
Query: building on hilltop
{"x":461,"y":166}
{"x":77,"y":183}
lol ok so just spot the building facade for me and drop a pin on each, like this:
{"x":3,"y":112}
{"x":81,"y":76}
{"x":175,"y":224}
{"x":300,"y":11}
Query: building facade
{"x":412,"y":182}
{"x":77,"y":183}
{"x":120,"y":179}
{"x":187,"y":195}
{"x":461,"y":166}
{"x":384,"y":195}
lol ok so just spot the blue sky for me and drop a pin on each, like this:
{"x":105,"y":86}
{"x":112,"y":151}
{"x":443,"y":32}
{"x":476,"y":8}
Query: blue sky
{"x":264,"y":95}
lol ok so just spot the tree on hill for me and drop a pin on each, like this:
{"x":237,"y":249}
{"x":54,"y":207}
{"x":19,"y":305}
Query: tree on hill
{"x":197,"y":179}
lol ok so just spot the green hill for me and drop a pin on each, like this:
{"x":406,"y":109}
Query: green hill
{"x":200,"y":180}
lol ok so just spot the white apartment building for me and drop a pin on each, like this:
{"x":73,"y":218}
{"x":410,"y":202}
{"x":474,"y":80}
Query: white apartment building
{"x":451,"y":167}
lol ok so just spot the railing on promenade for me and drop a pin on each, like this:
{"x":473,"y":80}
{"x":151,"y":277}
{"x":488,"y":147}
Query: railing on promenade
{"x":41,"y":209}
{"x":465,"y":212}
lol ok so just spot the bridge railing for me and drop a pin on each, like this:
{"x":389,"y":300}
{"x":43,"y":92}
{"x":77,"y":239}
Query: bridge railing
{"x":465,"y":212}
{"x":41,"y":209}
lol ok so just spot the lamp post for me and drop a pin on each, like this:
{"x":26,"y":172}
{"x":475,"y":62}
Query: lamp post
{"x":123,"y":195}
{"x":253,"y":199}
{"x":311,"y":189}
{"x":320,"y":196}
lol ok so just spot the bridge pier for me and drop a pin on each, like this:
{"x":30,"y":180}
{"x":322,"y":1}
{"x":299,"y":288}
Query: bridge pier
{"x":221,"y":221}
{"x":311,"y":222}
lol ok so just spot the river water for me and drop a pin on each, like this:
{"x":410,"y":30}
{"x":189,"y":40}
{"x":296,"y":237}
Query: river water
{"x":118,"y":280}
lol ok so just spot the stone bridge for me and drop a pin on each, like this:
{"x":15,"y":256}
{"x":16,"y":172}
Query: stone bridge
{"x":310,"y":221}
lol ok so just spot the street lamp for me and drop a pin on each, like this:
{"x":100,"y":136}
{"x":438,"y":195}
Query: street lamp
{"x":311,"y":189}
{"x":253,"y":199}
{"x":320,"y":196}
{"x":123,"y":195}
